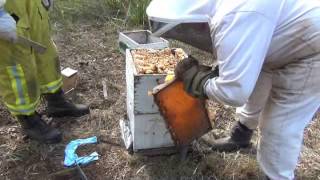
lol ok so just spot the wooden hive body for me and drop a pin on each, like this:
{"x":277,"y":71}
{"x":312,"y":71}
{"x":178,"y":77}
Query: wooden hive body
{"x":140,"y":39}
{"x":147,"y":126}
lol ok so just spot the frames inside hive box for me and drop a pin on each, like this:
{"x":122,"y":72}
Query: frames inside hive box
{"x":150,"y":61}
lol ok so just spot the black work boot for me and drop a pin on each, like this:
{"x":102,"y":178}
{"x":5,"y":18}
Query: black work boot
{"x":37,"y":129}
{"x":59,"y":106}
{"x":239,"y":138}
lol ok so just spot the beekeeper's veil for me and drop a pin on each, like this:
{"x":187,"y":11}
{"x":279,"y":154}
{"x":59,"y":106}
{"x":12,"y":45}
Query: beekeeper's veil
{"x":184,"y":20}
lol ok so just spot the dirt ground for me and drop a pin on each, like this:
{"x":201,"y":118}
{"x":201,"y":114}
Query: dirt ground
{"x":92,"y":49}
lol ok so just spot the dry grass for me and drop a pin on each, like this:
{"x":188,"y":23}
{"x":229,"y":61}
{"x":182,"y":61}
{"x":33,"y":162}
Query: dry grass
{"x":91,"y":47}
{"x":125,"y":12}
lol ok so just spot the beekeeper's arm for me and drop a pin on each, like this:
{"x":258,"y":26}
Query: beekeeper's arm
{"x":242,"y":43}
{"x":7,"y":25}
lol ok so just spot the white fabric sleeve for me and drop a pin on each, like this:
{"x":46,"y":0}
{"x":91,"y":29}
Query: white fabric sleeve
{"x":2,"y":2}
{"x":241,"y":41}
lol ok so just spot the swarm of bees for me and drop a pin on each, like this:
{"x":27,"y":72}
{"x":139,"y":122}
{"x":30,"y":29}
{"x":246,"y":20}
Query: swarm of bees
{"x":150,"y":61}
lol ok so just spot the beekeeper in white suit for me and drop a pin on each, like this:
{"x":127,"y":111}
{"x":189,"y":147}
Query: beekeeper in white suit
{"x":268,"y":54}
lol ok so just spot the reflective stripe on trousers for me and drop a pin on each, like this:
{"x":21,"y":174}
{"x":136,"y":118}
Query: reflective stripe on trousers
{"x":24,"y":74}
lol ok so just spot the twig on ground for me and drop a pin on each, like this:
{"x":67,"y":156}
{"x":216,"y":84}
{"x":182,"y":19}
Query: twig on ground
{"x":81,"y":173}
{"x":196,"y":169}
{"x":63,"y":173}
{"x":140,"y":169}
{"x":105,"y":90}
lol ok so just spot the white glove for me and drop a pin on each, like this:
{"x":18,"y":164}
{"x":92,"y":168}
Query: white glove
{"x":2,"y":2}
{"x":8,"y":28}
{"x":47,"y":3}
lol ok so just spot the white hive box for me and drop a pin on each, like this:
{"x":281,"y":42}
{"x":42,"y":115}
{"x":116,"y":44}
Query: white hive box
{"x":140,"y":39}
{"x":148,"y":128}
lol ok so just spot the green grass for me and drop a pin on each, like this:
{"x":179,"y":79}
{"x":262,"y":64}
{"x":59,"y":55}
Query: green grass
{"x":129,"y":12}
{"x":137,"y":12}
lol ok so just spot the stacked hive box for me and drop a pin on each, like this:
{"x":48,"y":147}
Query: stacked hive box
{"x":147,"y":126}
{"x":140,"y":39}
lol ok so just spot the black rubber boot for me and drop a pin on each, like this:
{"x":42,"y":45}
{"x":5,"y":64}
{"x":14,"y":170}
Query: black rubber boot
{"x":239,"y":138}
{"x":59,"y":106}
{"x":37,"y":129}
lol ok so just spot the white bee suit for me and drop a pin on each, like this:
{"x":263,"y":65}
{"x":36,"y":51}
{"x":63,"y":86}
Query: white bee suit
{"x":2,"y":2}
{"x":269,"y":58}
{"x":7,"y":25}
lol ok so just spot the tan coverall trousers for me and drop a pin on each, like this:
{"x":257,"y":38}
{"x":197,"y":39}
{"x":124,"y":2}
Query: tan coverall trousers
{"x":285,"y":99}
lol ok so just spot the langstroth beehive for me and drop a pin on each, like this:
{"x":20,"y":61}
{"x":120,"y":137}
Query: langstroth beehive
{"x":146,"y":69}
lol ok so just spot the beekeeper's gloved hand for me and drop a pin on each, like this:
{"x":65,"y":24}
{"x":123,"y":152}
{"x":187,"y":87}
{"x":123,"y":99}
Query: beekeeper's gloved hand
{"x":8,"y":29}
{"x":194,"y":76}
{"x":47,"y":3}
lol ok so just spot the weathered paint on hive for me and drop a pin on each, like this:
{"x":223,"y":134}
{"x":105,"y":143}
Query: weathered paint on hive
{"x":150,"y":132}
{"x":147,"y":125}
{"x":144,"y":104}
